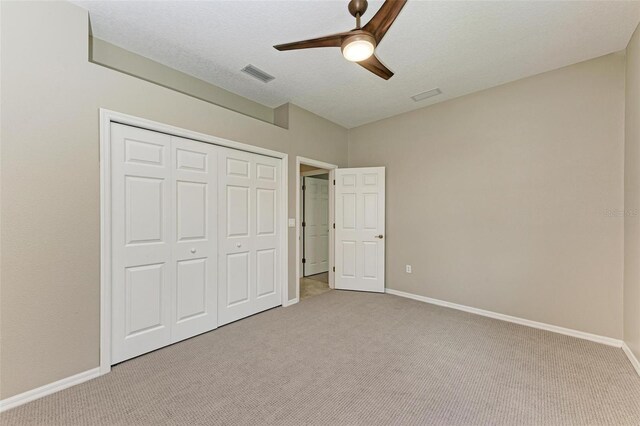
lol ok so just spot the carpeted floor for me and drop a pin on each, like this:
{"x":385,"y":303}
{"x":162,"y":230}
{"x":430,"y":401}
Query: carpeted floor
{"x":358,"y":358}
{"x":314,"y":285}
{"x":322,"y":277}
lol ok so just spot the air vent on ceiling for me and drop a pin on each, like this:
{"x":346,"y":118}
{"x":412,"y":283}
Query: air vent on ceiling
{"x":257,"y":73}
{"x":428,"y":94}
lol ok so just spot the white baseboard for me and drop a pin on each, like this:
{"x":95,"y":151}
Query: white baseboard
{"x":291,"y":302}
{"x":543,"y":326}
{"x":76,"y":379}
{"x":632,"y":357}
{"x":45,"y":390}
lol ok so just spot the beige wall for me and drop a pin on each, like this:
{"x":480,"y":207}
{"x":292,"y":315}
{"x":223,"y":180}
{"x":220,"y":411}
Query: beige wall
{"x":508,"y":199}
{"x":632,"y":198}
{"x":112,"y":56}
{"x":49,"y":306}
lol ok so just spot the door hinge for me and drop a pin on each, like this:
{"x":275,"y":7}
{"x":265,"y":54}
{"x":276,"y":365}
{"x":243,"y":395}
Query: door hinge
{"x":334,"y":269}
{"x":304,"y":260}
{"x":304,"y":224}
{"x":304,"y":187}
{"x":334,"y":226}
{"x":334,"y":181}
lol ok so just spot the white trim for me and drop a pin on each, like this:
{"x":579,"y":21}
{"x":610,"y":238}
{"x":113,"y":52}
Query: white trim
{"x":45,"y":390}
{"x":315,"y":163}
{"x":106,"y":118}
{"x":632,"y":358}
{"x":105,"y":241}
{"x":118,"y":117}
{"x":284,"y":234}
{"x":291,"y":302}
{"x":540,"y":325}
{"x":315,"y":172}
{"x":331,"y":168}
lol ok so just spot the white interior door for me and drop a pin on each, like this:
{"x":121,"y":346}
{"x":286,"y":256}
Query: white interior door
{"x":248,"y":234}
{"x":194,"y":298}
{"x":316,"y":225}
{"x":142,"y":241}
{"x":360,"y":229}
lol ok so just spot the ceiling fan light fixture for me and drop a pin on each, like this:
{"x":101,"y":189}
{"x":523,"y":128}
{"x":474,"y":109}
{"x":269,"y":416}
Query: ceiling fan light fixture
{"x":358,"y":47}
{"x":359,"y":44}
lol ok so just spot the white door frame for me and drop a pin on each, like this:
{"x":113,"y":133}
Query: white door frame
{"x":331,"y":168}
{"x":314,"y":172}
{"x":106,"y":118}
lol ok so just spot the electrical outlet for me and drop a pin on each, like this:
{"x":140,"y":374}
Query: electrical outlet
{"x":292,"y":222}
{"x":408,"y":269}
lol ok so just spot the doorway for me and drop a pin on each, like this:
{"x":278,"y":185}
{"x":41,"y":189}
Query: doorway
{"x":357,"y":226}
{"x":314,"y":220}
{"x":315,"y":231}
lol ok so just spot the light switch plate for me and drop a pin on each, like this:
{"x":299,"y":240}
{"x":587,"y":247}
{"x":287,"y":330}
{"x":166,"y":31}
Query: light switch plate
{"x":292,"y":222}
{"x":408,"y":269}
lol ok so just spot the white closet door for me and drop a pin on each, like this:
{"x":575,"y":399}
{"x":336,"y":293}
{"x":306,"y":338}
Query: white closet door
{"x":248,"y":234}
{"x":360,"y":225}
{"x":194,"y":298}
{"x":142,"y":241}
{"x":195,"y":238}
{"x":267,"y":235}
{"x":164,"y":218}
{"x":316,"y":230}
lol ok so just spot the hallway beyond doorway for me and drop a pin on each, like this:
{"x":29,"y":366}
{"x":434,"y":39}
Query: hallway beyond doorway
{"x":314,"y":285}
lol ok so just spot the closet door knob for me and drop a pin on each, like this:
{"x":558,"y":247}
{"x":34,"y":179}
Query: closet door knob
{"x":193,"y":250}
{"x":238,"y":245}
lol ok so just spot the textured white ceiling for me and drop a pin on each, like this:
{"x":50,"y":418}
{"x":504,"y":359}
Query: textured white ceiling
{"x":460,"y":47}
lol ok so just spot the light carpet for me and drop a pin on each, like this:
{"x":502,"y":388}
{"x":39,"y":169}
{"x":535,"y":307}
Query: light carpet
{"x":314,"y":285}
{"x":358,"y":358}
{"x":322,"y":277}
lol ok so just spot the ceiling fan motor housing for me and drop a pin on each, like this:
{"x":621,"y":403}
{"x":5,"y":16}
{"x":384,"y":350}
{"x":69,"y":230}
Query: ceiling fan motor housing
{"x":357,"y":7}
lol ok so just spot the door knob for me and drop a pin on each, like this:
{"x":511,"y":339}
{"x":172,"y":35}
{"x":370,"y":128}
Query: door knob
{"x":379,"y":236}
{"x":193,"y":250}
{"x":238,"y":245}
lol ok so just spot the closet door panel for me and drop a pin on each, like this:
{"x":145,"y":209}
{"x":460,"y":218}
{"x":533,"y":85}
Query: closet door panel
{"x":195,"y":215}
{"x":142,"y":270}
{"x":249,"y":234}
{"x":236,"y":291}
{"x":267,"y":237}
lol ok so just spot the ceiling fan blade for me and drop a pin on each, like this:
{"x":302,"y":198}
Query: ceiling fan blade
{"x":382,"y":20}
{"x":333,"y":40}
{"x":374,"y":65}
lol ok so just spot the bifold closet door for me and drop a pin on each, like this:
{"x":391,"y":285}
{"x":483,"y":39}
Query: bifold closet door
{"x":248,"y":196}
{"x":164,"y":240}
{"x":142,"y":269}
{"x":195,"y":292}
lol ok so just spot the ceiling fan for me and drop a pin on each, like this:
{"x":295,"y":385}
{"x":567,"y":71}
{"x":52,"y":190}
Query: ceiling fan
{"x":358,"y":45}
